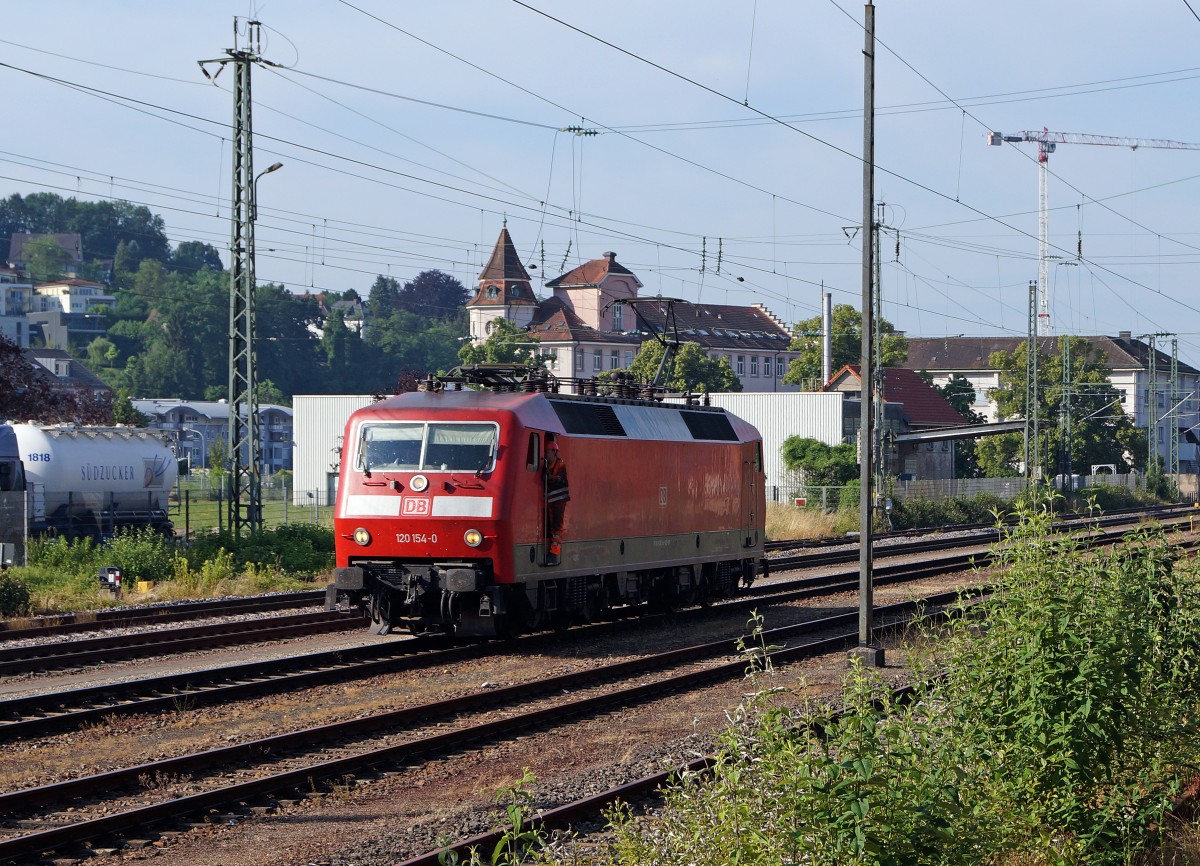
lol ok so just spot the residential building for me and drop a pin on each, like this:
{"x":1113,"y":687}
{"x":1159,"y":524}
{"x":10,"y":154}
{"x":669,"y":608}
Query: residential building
{"x":1127,"y":357}
{"x":15,"y":291}
{"x":72,"y":244}
{"x":72,"y":296}
{"x":198,"y":424}
{"x":587,"y":325}
{"x":63,"y":315}
{"x":70,"y":374}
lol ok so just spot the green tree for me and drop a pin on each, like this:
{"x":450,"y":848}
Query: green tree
{"x":503,"y":346}
{"x":847,"y":345}
{"x":288,"y":349}
{"x":1101,"y":432}
{"x":690,"y":369}
{"x":434,"y":294}
{"x":269,"y":395}
{"x":823,"y":465}
{"x":124,"y":411}
{"x":960,"y":393}
{"x":191,"y":256}
{"x":384,"y":297}
{"x":102,"y":352}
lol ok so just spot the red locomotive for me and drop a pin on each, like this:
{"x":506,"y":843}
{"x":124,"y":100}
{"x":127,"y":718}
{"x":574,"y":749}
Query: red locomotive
{"x":455,"y":514}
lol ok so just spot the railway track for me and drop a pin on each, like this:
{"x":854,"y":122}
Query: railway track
{"x":102,"y":650}
{"x":124,"y":617}
{"x":40,"y":714}
{"x":988,"y":531}
{"x":276,"y":770}
{"x":284,"y":765}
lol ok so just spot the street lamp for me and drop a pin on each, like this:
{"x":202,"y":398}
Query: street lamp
{"x":275,"y":166}
{"x":203,"y":443}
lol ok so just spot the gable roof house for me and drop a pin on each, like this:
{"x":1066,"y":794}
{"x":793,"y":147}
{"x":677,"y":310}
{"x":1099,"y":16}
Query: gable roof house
{"x":586,"y":327}
{"x":910,"y":405}
{"x":1128,"y":358}
{"x":71,"y":243}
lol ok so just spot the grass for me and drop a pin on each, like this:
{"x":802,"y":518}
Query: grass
{"x":62,"y":575}
{"x":790,"y":522}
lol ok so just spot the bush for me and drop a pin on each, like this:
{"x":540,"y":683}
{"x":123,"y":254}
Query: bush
{"x":1060,"y":733}
{"x":917,"y":513}
{"x":76,"y":557}
{"x":141,"y":554}
{"x":296,"y":548}
{"x":14,"y":596}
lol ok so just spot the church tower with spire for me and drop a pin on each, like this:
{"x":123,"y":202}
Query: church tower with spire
{"x":504,"y":291}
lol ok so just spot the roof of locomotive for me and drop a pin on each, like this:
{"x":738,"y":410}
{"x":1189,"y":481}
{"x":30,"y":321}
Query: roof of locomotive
{"x":575,"y":415}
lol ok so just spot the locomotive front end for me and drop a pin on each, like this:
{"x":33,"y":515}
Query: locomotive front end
{"x":417,"y":523}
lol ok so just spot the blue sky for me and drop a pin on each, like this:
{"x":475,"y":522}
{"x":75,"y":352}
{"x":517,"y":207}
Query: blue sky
{"x":725,"y":167}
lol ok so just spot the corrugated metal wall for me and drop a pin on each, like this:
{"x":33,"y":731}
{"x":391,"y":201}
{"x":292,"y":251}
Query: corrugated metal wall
{"x":777,"y":416}
{"x":317,"y":426}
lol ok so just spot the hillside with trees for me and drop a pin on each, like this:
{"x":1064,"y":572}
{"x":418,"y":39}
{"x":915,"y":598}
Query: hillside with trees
{"x":167,"y":331}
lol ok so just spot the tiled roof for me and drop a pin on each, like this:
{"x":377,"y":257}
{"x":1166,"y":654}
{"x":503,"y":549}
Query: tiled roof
{"x":592,"y":273}
{"x":71,"y":243}
{"x":949,"y":354}
{"x":923,"y":406}
{"x":555,"y":322}
{"x":79,"y":376}
{"x":505,"y":276}
{"x":719,"y":326}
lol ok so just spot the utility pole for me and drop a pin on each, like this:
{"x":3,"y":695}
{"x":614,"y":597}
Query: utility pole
{"x":244,"y":445}
{"x":867,"y":650}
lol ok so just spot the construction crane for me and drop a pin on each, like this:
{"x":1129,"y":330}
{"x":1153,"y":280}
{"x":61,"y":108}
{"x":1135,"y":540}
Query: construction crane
{"x":1047,"y":142}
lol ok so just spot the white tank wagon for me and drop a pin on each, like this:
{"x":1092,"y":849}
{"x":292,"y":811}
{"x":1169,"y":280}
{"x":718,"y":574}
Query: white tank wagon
{"x":88,"y":481}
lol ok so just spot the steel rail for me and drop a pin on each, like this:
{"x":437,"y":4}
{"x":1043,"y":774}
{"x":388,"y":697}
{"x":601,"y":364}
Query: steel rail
{"x":38,"y":657}
{"x":123,"y":617}
{"x":63,"y":792}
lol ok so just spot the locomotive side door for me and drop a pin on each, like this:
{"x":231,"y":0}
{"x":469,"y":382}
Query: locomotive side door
{"x":533,"y":466}
{"x":751,"y":470}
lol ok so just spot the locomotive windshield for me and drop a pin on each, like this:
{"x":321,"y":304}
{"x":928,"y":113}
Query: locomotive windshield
{"x":427,"y":447}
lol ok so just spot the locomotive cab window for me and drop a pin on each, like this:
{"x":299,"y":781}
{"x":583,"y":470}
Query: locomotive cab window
{"x":533,"y":455}
{"x":427,"y":447}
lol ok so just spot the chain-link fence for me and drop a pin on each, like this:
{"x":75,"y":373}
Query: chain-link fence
{"x":199,"y":506}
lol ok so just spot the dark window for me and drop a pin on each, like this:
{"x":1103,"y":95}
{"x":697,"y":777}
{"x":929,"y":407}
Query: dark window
{"x":533,"y":455}
{"x":589,"y":419}
{"x":709,"y":425}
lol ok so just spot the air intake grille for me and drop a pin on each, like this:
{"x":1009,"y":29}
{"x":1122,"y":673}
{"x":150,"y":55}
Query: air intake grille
{"x":589,"y":419}
{"x":709,"y":425}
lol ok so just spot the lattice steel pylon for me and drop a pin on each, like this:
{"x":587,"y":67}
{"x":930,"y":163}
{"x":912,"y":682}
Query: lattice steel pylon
{"x":244,"y":445}
{"x":1032,"y":472}
{"x":1173,"y":430}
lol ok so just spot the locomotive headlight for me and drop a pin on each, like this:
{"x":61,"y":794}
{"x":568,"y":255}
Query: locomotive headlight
{"x":362,"y":537}
{"x":418,"y":483}
{"x":473,"y":537}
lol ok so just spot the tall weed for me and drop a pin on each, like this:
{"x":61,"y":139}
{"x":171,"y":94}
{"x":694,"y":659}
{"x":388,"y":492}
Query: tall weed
{"x":1062,"y":728}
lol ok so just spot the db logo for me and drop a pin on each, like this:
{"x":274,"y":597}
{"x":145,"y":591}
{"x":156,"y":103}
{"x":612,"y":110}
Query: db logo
{"x":414,"y":506}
